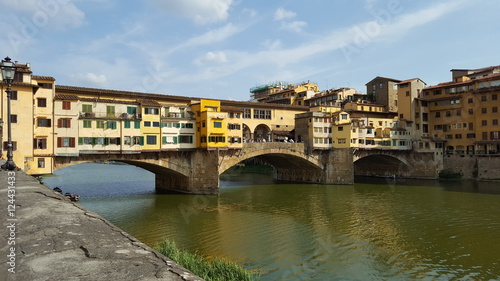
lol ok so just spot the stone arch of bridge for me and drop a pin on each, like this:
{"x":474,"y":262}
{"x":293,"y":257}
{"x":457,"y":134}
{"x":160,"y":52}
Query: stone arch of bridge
{"x":382,"y":165}
{"x":154,"y":166}
{"x":279,"y":160}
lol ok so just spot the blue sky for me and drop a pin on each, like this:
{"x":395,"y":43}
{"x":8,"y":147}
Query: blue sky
{"x":221,"y":48}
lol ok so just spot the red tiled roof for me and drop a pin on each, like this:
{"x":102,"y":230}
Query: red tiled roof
{"x":148,"y":102}
{"x":38,"y":77}
{"x":65,"y":97}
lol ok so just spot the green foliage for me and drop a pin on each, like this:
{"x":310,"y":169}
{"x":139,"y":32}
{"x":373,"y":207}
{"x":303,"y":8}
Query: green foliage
{"x":215,"y":270}
{"x":448,"y":174}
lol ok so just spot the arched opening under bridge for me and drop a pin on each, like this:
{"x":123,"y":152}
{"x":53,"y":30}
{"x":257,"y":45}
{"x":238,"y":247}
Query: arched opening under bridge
{"x":381,"y":166}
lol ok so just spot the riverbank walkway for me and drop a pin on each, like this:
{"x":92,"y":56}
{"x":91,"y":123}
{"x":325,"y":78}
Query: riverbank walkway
{"x":45,"y":236}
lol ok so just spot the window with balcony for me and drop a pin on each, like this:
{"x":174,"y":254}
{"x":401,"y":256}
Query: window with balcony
{"x":110,"y":111}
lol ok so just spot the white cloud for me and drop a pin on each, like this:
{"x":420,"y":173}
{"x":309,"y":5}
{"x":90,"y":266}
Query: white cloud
{"x":36,"y":14}
{"x":295,"y":26}
{"x":212,"y":57}
{"x":282,"y":14}
{"x":200,"y":11}
{"x":91,"y":79}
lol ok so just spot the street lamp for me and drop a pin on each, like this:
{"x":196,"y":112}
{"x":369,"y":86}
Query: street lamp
{"x":8,"y":72}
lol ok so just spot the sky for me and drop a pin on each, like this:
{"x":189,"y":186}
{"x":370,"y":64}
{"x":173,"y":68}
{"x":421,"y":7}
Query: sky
{"x":220,"y":49}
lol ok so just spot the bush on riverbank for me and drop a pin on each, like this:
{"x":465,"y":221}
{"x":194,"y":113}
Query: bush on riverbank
{"x":215,"y":270}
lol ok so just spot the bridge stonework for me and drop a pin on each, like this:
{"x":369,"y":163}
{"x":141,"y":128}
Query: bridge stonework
{"x":198,"y":171}
{"x":398,"y":163}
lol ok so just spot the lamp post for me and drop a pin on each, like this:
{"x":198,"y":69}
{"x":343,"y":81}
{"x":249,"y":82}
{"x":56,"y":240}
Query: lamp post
{"x":8,"y":72}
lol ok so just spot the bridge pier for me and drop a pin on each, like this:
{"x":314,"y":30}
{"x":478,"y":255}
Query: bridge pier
{"x":337,"y":169}
{"x":203,"y":177}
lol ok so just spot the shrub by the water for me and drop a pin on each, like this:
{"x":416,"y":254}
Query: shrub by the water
{"x":214,"y":270}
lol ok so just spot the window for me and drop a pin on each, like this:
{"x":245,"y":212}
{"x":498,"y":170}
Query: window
{"x":87,"y":123}
{"x":87,"y":108}
{"x":42,"y":102}
{"x":82,"y":141}
{"x":425,"y":117}
{"x":471,"y":111}
{"x":438,"y":114}
{"x":13,"y":118}
{"x":14,"y":145}
{"x":41,"y":162}
{"x":262,"y":114}
{"x":484,"y":135}
{"x":189,"y":125}
{"x":64,"y":123}
{"x":380,"y":86}
{"x":494,"y":109}
{"x":66,"y":105}
{"x":45,"y":85}
{"x":65,"y":142}
{"x":470,"y":100}
{"x":126,"y":124}
{"x":13,"y":95}
{"x":471,"y":126}
{"x":137,"y":124}
{"x":247,"y":113}
{"x":150,"y":110}
{"x":484,"y":122}
{"x":448,"y":113}
{"x":458,"y":136}
{"x":458,"y":112}
{"x":234,"y":127}
{"x":217,"y":124}
{"x":344,"y":116}
{"x":40,"y":143}
{"x":43,"y":122}
{"x":483,"y":98}
{"x":471,"y":136}
{"x":185,"y":139}
{"x":111,"y":125}
{"x":216,"y":139}
{"x":494,"y":97}
{"x":131,"y":110}
{"x":99,"y":124}
{"x":495,"y":122}
{"x":156,"y":124}
{"x":495,"y":135}
{"x":151,"y":140}
{"x":484,"y":110}
{"x":407,"y":93}
{"x":340,"y":129}
{"x":110,"y":111}
{"x":147,"y":123}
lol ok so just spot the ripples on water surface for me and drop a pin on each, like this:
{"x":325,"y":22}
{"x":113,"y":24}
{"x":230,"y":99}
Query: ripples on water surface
{"x":376,"y":229}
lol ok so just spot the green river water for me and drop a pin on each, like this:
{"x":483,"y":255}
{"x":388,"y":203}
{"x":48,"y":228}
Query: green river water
{"x":376,"y":229}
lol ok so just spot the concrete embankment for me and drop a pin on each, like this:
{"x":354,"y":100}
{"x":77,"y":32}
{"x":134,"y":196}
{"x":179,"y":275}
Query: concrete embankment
{"x":47,"y":237}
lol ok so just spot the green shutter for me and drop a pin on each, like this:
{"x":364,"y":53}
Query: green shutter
{"x":190,"y":139}
{"x":106,"y":141}
{"x":127,"y":125}
{"x":118,"y":141}
{"x":175,"y":140}
{"x":94,"y":141}
{"x":80,"y":141}
{"x":164,"y":140}
{"x":137,"y":124}
{"x":141,"y":142}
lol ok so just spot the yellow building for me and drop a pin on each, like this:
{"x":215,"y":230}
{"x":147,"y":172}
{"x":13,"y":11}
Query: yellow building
{"x":211,"y":124}
{"x":462,"y":116}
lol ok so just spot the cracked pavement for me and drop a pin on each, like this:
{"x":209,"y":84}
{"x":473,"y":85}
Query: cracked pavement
{"x":56,"y":239}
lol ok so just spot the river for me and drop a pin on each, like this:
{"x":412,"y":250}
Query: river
{"x":376,"y":229}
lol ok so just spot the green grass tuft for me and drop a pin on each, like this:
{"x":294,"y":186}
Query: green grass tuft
{"x":215,"y":270}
